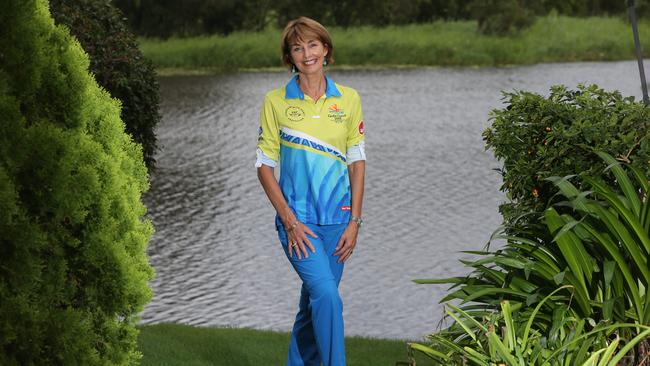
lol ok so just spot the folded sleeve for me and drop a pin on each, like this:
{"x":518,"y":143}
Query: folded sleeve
{"x":355,"y":123}
{"x":356,"y":152}
{"x":263,"y":159}
{"x":268,"y":140}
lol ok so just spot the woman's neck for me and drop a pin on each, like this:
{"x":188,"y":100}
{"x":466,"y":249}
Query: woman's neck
{"x":312,"y":84}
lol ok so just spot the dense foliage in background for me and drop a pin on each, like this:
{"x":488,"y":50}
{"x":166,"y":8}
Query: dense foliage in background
{"x":537,"y":137}
{"x":165,"y":18}
{"x":117,"y":63}
{"x":73,"y":268}
{"x":501,"y":17}
{"x":550,"y":39}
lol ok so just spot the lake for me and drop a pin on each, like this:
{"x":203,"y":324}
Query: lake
{"x":431,"y":192}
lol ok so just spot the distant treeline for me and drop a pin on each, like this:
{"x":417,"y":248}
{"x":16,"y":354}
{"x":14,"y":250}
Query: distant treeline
{"x":166,"y":18}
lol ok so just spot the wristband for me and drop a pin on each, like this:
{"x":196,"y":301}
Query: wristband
{"x":358,"y":220}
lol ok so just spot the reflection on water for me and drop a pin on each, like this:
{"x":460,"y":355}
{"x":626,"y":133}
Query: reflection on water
{"x":430,"y":192}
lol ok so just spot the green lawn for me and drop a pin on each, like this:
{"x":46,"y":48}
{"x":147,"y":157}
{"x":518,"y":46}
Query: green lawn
{"x":175,"y":344}
{"x":550,"y":39}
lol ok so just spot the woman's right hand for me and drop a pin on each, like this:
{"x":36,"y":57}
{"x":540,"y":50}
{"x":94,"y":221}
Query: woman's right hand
{"x":297,"y":240}
{"x":296,"y":231}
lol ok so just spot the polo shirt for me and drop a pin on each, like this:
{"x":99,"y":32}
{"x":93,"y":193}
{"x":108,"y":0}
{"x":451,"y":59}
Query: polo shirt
{"x":310,"y":140}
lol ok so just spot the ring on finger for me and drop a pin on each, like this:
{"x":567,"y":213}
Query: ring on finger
{"x":293,"y":245}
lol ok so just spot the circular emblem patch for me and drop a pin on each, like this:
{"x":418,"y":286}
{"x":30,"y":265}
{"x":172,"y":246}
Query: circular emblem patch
{"x":295,"y":114}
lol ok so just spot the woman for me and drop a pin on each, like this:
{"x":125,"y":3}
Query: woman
{"x":314,"y":128}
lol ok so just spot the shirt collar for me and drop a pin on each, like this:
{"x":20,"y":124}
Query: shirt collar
{"x":292,"y":90}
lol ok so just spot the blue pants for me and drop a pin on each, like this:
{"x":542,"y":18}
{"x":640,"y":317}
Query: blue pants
{"x":317,"y":334}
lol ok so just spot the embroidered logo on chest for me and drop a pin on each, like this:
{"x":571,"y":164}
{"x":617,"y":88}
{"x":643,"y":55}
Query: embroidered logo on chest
{"x":336,"y":113}
{"x":295,"y":114}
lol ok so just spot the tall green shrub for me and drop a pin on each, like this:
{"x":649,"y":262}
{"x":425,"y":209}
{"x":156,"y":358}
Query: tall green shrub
{"x":73,"y":268}
{"x":117,"y":63}
{"x":537,"y":137}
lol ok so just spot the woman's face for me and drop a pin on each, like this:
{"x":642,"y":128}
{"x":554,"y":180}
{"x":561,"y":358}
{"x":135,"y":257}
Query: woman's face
{"x":308,"y":55}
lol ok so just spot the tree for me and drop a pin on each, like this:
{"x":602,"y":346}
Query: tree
{"x":500,"y":17}
{"x":73,"y":267}
{"x":117,"y":63}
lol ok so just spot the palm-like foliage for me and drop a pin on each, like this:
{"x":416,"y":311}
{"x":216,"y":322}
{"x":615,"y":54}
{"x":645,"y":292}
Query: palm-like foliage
{"x":593,"y":246}
{"x":507,"y":338}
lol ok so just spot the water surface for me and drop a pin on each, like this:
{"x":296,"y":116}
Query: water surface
{"x":431,"y":192}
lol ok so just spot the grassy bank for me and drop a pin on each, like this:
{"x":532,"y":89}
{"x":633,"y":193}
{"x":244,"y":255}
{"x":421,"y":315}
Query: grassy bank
{"x":173,"y":344}
{"x":550,"y":39}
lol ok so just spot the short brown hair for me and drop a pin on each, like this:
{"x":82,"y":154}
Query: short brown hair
{"x":303,"y":29}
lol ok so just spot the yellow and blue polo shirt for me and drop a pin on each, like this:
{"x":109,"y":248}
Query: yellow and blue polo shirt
{"x":311,"y":141}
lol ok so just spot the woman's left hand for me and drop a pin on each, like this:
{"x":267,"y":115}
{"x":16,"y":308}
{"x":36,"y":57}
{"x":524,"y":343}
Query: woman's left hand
{"x":347,"y":242}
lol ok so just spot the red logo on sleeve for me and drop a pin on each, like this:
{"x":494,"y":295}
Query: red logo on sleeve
{"x":345,"y":208}
{"x":361,"y":128}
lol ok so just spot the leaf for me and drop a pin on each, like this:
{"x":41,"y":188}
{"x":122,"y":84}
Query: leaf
{"x":428,"y":351}
{"x":462,"y":324}
{"x":531,"y":299}
{"x":640,"y":178}
{"x":532,"y":316}
{"x":565,"y":229}
{"x":572,"y":250}
{"x":608,"y":308}
{"x":493,"y":291}
{"x":509,"y":325}
{"x":615,"y":224}
{"x":605,"y":241}
{"x":496,"y":344}
{"x":468,"y":317}
{"x":623,"y":181}
{"x":609,"y":351}
{"x":440,"y":281}
{"x":476,"y":356}
{"x":608,"y":269}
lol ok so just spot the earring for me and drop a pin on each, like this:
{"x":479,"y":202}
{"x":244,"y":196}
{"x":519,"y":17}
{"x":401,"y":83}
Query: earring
{"x":325,"y":62}
{"x":293,"y":69}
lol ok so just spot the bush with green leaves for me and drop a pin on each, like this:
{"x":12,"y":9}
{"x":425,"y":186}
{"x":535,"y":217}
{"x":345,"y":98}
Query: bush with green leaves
{"x":598,"y":248}
{"x":117,"y":63}
{"x":537,"y":137}
{"x":596,"y":240}
{"x":73,"y":268}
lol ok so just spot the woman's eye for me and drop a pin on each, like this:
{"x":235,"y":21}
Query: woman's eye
{"x":312,"y":45}
{"x":296,"y":49}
